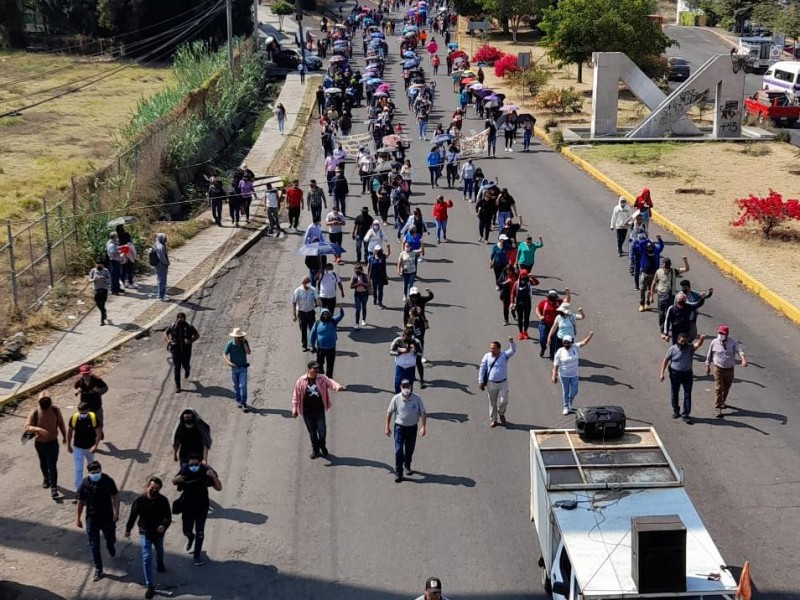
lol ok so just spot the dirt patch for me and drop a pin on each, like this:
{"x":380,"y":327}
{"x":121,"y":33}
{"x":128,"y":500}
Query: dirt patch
{"x":699,"y":198}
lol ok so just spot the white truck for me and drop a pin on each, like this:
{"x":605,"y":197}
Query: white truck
{"x":615,"y":522}
{"x":761,"y":52}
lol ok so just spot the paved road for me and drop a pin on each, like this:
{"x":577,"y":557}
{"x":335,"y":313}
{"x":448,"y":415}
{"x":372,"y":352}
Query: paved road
{"x":698,"y":45}
{"x":342,"y":529}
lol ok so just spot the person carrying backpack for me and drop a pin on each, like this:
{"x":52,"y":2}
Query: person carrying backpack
{"x":43,"y":425}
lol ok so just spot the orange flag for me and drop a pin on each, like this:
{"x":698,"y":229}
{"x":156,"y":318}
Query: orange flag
{"x":743,"y":592}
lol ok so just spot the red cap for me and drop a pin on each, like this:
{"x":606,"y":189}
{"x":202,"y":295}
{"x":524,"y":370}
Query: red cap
{"x":523,"y":272}
{"x":723,"y":329}
{"x":84,"y":369}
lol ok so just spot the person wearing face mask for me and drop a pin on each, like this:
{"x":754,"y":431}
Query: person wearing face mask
{"x":361,"y":228}
{"x":44,"y":423}
{"x":620,"y":216}
{"x":376,"y":271}
{"x":327,"y":282}
{"x":565,"y":367}
{"x":304,"y":305}
{"x":565,"y":324}
{"x":99,"y":495}
{"x":91,"y":389}
{"x":493,"y":377}
{"x":693,"y":296}
{"x":722,"y":354}
{"x":180,"y":336}
{"x":310,"y":399}
{"x":154,"y":516}
{"x":648,"y":257}
{"x":407,"y":268}
{"x":546,"y":313}
{"x":192,"y":435}
{"x":315,"y":199}
{"x":679,"y":359}
{"x":362,"y":288}
{"x":522,"y":302}
{"x":665,"y":285}
{"x":323,"y":339}
{"x":193,"y":481}
{"x":376,"y":236}
{"x":405,"y":349}
{"x":410,"y":419}
{"x":678,"y":319}
{"x":82,"y":440}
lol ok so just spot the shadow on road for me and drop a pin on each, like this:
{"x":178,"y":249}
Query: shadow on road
{"x":360,"y":388}
{"x":606,"y":380}
{"x":354,"y":461}
{"x":211,"y":391}
{"x":130,"y":454}
{"x":585,"y":362}
{"x":452,"y":385}
{"x":441,"y":479}
{"x":450,"y":417}
{"x":265,"y":412}
{"x":236,"y":514}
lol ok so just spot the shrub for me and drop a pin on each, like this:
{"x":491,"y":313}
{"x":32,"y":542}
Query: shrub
{"x":767,"y":212}
{"x":487,"y":54}
{"x":506,"y":65}
{"x":533,"y":77}
{"x":559,"y":100}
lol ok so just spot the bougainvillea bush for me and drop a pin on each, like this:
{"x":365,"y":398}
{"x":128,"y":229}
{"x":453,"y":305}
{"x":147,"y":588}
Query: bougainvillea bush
{"x":768,"y":212}
{"x":487,"y":54}
{"x":506,"y":64}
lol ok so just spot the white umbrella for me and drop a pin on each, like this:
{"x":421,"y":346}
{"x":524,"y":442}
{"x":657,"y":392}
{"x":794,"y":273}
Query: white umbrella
{"x":333,"y":90}
{"x":476,"y":86}
{"x":509,"y":108}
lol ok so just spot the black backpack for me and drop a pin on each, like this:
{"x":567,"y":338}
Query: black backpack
{"x":152,"y":258}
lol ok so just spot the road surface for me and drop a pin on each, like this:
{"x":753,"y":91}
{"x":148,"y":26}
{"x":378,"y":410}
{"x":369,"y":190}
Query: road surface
{"x":286,"y":527}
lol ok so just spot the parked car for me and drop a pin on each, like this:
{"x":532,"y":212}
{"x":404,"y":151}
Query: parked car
{"x":679,"y":69}
{"x":285,"y":59}
{"x":313,"y":62}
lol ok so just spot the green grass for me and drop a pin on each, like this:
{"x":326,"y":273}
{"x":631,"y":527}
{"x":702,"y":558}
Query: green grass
{"x":632,"y":154}
{"x":44,"y":146}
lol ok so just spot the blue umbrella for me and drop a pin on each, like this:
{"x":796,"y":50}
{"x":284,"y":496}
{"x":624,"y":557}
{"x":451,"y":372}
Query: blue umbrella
{"x":409,"y":54}
{"x":442,"y":138}
{"x":452,"y":45}
{"x":319,"y":248}
{"x":377,"y":34}
{"x":374,"y":80}
{"x":410,"y":64}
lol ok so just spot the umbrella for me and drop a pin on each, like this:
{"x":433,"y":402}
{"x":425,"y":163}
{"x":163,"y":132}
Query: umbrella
{"x":121,"y":221}
{"x":416,"y":86}
{"x":492,"y":98}
{"x":452,"y":46}
{"x":409,"y":34}
{"x":509,"y":108}
{"x":333,"y":90}
{"x":377,"y":35}
{"x":380,"y":94}
{"x":384,"y":87}
{"x":387,"y":166}
{"x":442,"y":138}
{"x":490,"y":104}
{"x":482,"y":93}
{"x":432,"y":48}
{"x":374,"y":80}
{"x":341,"y":26}
{"x":337,"y":58}
{"x":526,"y":117}
{"x":468,"y":79}
{"x":410,"y":64}
{"x":320,"y":248}
{"x":475,"y":86}
{"x":409,"y":54}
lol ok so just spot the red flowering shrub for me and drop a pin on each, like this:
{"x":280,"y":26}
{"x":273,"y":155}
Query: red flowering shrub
{"x":768,"y":212}
{"x":487,"y":54}
{"x":507,"y":64}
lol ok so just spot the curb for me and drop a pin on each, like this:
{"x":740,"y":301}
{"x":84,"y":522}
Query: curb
{"x":753,"y":285}
{"x":25,"y":391}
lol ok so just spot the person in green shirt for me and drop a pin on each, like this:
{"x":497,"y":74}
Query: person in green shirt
{"x":235,"y":356}
{"x":526,"y":253}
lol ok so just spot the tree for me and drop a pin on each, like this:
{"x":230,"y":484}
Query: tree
{"x":738,"y":10}
{"x":514,"y":12}
{"x":281,"y":8}
{"x":12,"y":27}
{"x":576,"y":28}
{"x":778,"y":16}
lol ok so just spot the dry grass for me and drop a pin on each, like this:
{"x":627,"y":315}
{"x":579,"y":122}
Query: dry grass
{"x":698,"y":197}
{"x":41,"y":148}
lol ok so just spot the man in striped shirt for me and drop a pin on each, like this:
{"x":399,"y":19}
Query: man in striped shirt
{"x":723,"y":353}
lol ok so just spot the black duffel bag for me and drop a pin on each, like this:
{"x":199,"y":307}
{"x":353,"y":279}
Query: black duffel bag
{"x":600,"y":422}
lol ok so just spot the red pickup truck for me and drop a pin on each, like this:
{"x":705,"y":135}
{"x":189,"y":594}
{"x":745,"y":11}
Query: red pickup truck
{"x":773,"y":106}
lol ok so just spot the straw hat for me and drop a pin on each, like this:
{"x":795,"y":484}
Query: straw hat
{"x":237,"y":332}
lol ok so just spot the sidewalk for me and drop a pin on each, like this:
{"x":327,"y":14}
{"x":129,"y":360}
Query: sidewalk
{"x":134,"y":312}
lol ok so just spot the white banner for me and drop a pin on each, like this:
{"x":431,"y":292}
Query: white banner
{"x":475,"y":144}
{"x":351,"y":143}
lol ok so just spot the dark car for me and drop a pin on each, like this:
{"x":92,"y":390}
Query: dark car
{"x":679,"y":69}
{"x":286,"y":59}
{"x":314,"y":63}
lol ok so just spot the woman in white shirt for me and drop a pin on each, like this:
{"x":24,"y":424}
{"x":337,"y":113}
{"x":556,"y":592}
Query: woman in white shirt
{"x":565,"y":366}
{"x":377,"y":237}
{"x":406,"y":173}
{"x":407,"y":268}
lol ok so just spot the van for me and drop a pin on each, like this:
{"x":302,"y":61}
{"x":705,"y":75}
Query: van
{"x":783,"y":76}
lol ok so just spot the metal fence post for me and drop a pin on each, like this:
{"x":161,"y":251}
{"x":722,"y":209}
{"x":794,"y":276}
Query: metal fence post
{"x":11,"y":263}
{"x":63,"y":236}
{"x":74,"y":209}
{"x":47,"y":243}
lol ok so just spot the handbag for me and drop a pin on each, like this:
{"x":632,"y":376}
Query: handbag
{"x":177,"y":505}
{"x":27,"y":436}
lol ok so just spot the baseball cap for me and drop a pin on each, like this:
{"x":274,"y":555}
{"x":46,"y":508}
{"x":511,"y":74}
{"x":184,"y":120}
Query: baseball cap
{"x":377,"y":247}
{"x":552,"y":294}
{"x":503,"y":237}
{"x":413,"y":291}
{"x":723,"y":329}
{"x":567,"y":338}
{"x":325,"y":310}
{"x":405,"y":382}
{"x":433,"y":584}
{"x":85,"y":369}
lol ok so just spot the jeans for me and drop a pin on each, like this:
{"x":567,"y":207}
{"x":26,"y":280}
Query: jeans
{"x":239,"y":377}
{"x":161,"y":278}
{"x":526,"y":139}
{"x":306,"y":320}
{"x":282,"y":125}
{"x":194,"y":527}
{"x":491,"y":145}
{"x":468,"y":188}
{"x":126,"y":275}
{"x":497,"y":391}
{"x":146,"y":544}
{"x":78,"y":456}
{"x":543,"y":331}
{"x":234,"y":208}
{"x":48,"y":461}
{"x":326,"y":357}
{"x":100,"y":299}
{"x":502,"y":217}
{"x":361,"y":249}
{"x":435,"y":172}
{"x":316,"y":213}
{"x":93,"y":529}
{"x":116,"y":270}
{"x":441,"y":229}
{"x":676,"y":380}
{"x":181,"y":360}
{"x":644,"y":288}
{"x":451,"y":170}
{"x":341,"y":202}
{"x":274,"y":220}
{"x":329,"y":178}
{"x":405,"y":440}
{"x":377,"y":291}
{"x":401,"y":373}
{"x":360,"y":299}
{"x":408,"y":281}
{"x":317,"y":428}
{"x":423,"y":129}
{"x":569,"y":389}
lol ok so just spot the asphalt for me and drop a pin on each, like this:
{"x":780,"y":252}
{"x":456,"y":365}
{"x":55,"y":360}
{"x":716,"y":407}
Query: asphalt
{"x":341,"y":528}
{"x":697,"y":45}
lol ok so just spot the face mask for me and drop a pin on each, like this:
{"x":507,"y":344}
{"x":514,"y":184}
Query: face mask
{"x":188,"y":422}
{"x":95,"y":476}
{"x":83,"y":415}
{"x":406,"y":392}
{"x":722,"y":337}
{"x":194,"y":468}
{"x":152,"y":493}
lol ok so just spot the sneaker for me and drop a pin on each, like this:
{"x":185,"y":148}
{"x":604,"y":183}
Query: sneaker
{"x":315,"y":454}
{"x":519,"y":336}
{"x":492,"y":423}
{"x":409,"y":470}
{"x":98,"y":575}
{"x":642,"y":308}
{"x":541,"y":353}
{"x":356,"y":327}
{"x":363,"y":323}
{"x":45,"y":484}
{"x":324,"y":451}
{"x":687,"y":419}
{"x":675,"y":415}
{"x":503,"y":419}
{"x":424,"y":361}
{"x":54,"y":492}
{"x":245,"y":408}
{"x":398,"y":478}
{"x":505,"y":323}
{"x":565,"y":411}
{"x":178,"y":390}
{"x":189,"y":542}
{"x":198,"y":562}
{"x":423,"y":385}
{"x":510,"y":149}
{"x":151,"y":591}
{"x":164,"y":299}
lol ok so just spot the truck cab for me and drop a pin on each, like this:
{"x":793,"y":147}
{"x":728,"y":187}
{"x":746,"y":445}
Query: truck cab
{"x":761,"y":52}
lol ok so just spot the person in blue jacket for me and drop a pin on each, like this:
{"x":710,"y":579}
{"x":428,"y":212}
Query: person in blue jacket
{"x":649,"y":259}
{"x":323,"y":339}
{"x":434,"y":162}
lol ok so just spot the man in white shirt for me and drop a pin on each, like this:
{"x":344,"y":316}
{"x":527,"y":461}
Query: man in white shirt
{"x":335,"y":221}
{"x":331,"y":163}
{"x":565,"y":366}
{"x":620,"y":217}
{"x":493,"y":377}
{"x":327,"y":283}
{"x":272,"y":201}
{"x":304,"y":304}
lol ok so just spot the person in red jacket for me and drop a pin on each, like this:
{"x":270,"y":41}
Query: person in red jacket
{"x":310,"y":400}
{"x":644,"y":204}
{"x":440,"y":217}
{"x":546,"y":312}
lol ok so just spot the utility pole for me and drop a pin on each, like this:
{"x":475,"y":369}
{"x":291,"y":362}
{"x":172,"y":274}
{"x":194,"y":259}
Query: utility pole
{"x":302,"y":39}
{"x":229,"y":17}
{"x":256,"y":31}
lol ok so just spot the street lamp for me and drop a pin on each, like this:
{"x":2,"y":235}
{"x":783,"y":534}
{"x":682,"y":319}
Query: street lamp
{"x":302,"y":40}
